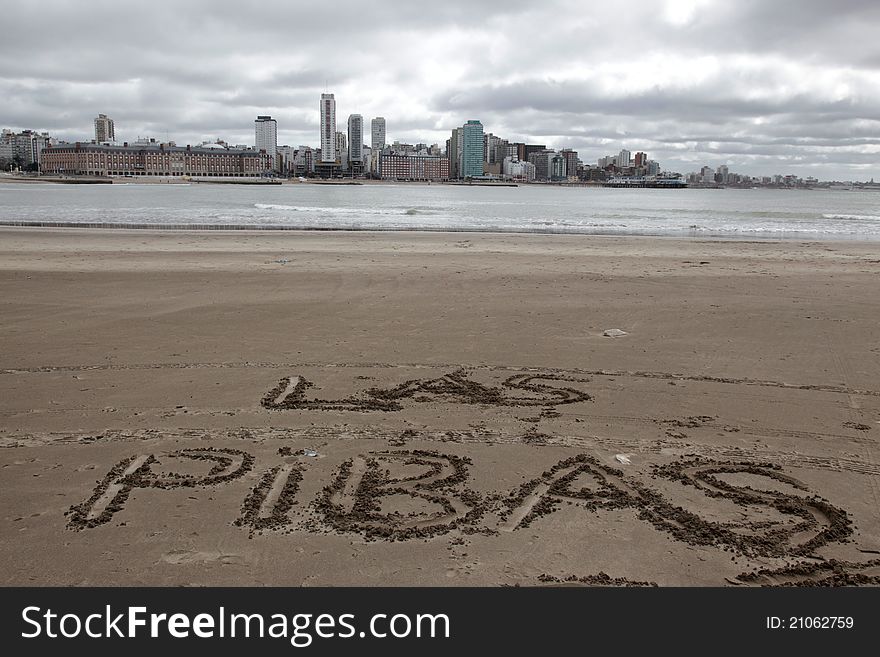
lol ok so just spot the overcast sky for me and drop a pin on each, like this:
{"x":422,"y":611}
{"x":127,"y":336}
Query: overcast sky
{"x":779,"y":86}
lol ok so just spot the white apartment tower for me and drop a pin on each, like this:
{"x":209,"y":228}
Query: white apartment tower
{"x":328,"y":128}
{"x":266,"y":136}
{"x":355,"y":138}
{"x":377,"y":134}
{"x":104,"y":133}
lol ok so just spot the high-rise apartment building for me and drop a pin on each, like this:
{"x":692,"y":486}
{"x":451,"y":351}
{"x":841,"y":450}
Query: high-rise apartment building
{"x":453,"y":152}
{"x":266,"y":135}
{"x":472,"y":155}
{"x":624,"y":159}
{"x":355,"y":138}
{"x":328,"y":128}
{"x":23,"y":148}
{"x":640,"y":159}
{"x":104,"y":132}
{"x":571,"y":161}
{"x":377,"y":133}
{"x":528,"y":149}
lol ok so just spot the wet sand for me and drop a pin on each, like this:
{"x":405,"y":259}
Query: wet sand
{"x":180,"y":408}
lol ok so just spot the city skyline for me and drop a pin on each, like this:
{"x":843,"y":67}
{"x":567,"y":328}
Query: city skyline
{"x":792,"y":87}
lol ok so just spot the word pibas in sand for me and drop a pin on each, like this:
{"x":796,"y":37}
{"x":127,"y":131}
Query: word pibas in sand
{"x":439,"y":501}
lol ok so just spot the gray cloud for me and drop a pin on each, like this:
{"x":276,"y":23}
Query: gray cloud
{"x":785,"y":86}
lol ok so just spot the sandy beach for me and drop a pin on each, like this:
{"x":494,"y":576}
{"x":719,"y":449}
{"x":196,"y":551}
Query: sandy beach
{"x":258,"y":408}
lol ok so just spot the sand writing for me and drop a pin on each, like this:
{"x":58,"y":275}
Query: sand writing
{"x":113,"y":491}
{"x":268,"y":504}
{"x":808,"y":521}
{"x":399,"y":495}
{"x":832,"y":572}
{"x":455,"y":387}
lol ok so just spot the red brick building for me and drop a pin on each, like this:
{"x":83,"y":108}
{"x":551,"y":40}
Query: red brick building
{"x":153,"y":160}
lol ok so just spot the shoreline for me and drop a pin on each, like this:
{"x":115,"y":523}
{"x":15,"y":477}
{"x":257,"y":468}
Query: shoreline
{"x":278,"y":228}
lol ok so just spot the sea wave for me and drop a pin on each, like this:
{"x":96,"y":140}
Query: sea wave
{"x":854,"y":217}
{"x":344,"y":210}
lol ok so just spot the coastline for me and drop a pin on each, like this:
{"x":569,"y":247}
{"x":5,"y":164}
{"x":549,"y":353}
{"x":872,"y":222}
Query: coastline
{"x":760,"y":355}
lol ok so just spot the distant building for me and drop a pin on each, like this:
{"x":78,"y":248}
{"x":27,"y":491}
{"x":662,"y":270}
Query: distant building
{"x":406,"y":166}
{"x":356,"y":139}
{"x":104,"y":130}
{"x":154,"y":160}
{"x":494,"y":145}
{"x":342,"y":151}
{"x":472,"y":152}
{"x":303,"y":161}
{"x":623,"y":159}
{"x":22,"y":149}
{"x":266,"y":135}
{"x":541,"y":162}
{"x":518,"y":170}
{"x":328,"y":129}
{"x":528,"y":149}
{"x":557,"y":166}
{"x":640,"y":159}
{"x":571,"y":161}
{"x":377,"y":134}
{"x":454,"y":148}
{"x":284,"y":159}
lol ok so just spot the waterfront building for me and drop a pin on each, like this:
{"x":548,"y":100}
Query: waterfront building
{"x":541,"y":162}
{"x":472,"y":150}
{"x":153,"y":160}
{"x":409,"y":166}
{"x":105,"y":133}
{"x":571,"y":161}
{"x":266,"y":136}
{"x":303,"y":161}
{"x":377,"y":134}
{"x":328,"y":129}
{"x":453,"y":151}
{"x":640,"y":159}
{"x":284,"y":159}
{"x":516,"y":169}
{"x":494,"y":146}
{"x":556,"y":165}
{"x":356,"y":139}
{"x":624,"y":159}
{"x":23,"y":149}
{"x":528,"y":149}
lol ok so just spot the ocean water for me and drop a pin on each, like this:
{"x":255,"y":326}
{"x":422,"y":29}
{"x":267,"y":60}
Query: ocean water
{"x":730,"y":213}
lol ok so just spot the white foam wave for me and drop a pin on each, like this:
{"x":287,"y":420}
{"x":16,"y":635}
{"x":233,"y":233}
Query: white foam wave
{"x":856,"y":217}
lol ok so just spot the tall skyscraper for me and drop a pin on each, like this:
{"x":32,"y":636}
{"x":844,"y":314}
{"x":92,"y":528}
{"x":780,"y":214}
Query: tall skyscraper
{"x":104,"y":132}
{"x":472,"y":150}
{"x":266,"y":135}
{"x":453,"y":152}
{"x":571,"y":161}
{"x":377,"y":133}
{"x":328,"y":128}
{"x":624,"y":159}
{"x":355,"y":138}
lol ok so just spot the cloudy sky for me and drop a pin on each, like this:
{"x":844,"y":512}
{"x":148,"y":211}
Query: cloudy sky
{"x":766,"y":87}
